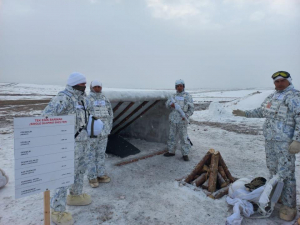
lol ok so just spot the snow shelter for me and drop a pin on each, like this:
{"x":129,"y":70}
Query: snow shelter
{"x":139,"y":114}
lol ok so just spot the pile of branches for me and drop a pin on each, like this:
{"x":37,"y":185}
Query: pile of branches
{"x":212,"y":175}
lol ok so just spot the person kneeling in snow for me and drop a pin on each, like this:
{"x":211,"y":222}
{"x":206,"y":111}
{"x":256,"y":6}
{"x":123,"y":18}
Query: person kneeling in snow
{"x":100,"y":108}
{"x":282,"y":134}
{"x":182,"y":107}
{"x":3,"y":179}
{"x":72,"y":101}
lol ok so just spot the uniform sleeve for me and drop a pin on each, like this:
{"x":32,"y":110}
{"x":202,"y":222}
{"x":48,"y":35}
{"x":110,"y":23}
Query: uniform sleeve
{"x":57,"y":106}
{"x":258,"y":112}
{"x":168,"y":102}
{"x":110,"y":112}
{"x":293,"y":104}
{"x":191,"y":107}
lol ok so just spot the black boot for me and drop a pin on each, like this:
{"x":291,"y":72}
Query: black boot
{"x":186,"y":158}
{"x":168,"y":154}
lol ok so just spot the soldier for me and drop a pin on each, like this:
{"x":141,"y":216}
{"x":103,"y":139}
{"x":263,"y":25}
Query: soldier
{"x":100,"y":108}
{"x":182,"y":107}
{"x":282,"y":135}
{"x":71,"y":101}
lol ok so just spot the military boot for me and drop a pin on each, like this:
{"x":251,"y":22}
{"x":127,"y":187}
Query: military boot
{"x":168,"y":154}
{"x":287,"y":213}
{"x":186,"y":158}
{"x":94,"y":183}
{"x":61,"y":218}
{"x":83,"y":199}
{"x":104,"y":179}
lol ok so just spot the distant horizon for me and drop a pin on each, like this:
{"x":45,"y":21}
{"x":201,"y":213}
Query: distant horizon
{"x":187,"y":89}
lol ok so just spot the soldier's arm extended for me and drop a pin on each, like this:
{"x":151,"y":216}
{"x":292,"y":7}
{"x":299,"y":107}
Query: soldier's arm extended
{"x":59,"y":105}
{"x":258,"y":112}
{"x":191,"y":107}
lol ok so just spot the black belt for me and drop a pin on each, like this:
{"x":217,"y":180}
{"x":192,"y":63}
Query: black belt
{"x":78,"y":132}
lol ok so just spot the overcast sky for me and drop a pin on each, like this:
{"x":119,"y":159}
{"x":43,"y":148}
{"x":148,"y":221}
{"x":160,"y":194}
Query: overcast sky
{"x":150,"y":43}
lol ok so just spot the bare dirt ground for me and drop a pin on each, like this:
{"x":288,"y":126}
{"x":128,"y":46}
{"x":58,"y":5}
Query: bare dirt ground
{"x":19,"y":108}
{"x":241,"y":128}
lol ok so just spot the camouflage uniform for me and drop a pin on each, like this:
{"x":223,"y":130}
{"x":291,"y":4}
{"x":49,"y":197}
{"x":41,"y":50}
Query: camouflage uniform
{"x":68,"y":102}
{"x":100,"y":107}
{"x":177,"y":125}
{"x":282,"y":126}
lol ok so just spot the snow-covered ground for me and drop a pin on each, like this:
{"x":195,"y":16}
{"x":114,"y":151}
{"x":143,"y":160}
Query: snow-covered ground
{"x":146,"y":192}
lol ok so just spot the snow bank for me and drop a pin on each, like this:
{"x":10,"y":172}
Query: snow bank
{"x":222,"y":112}
{"x":116,"y":95}
{"x":14,"y":91}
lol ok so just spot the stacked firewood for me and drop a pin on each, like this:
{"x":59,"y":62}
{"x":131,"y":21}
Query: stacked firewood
{"x":212,"y":175}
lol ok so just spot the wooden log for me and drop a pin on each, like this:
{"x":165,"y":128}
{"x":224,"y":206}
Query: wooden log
{"x":198,"y":168}
{"x":221,"y":181}
{"x":141,"y":158}
{"x":205,"y":185}
{"x":220,"y":193}
{"x":196,"y":176}
{"x":226,"y":170}
{"x":200,"y":180}
{"x":212,"y":183}
{"x":206,"y":192}
{"x":180,"y":179}
{"x":205,"y":169}
{"x":222,"y":172}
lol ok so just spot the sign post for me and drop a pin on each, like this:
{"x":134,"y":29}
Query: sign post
{"x":44,"y":156}
{"x":47,"y":208}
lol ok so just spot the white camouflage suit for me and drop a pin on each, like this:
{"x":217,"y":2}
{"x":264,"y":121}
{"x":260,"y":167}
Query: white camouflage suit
{"x":71,"y":102}
{"x":177,"y":125}
{"x":282,"y":126}
{"x":100,"y":107}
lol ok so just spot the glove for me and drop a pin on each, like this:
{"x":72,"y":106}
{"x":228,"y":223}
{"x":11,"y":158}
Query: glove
{"x":239,"y":113}
{"x":294,"y":147}
{"x":3,"y":178}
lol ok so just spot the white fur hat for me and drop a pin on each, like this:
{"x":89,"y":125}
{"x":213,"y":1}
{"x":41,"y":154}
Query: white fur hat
{"x":279,"y":77}
{"x":95,"y":83}
{"x":76,"y":78}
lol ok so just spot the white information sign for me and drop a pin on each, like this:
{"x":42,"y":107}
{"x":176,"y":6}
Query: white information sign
{"x":44,"y":153}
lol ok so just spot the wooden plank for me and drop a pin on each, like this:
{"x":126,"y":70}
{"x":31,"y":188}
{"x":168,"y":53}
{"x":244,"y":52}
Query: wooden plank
{"x":130,"y":115}
{"x":140,"y":158}
{"x":47,"y":208}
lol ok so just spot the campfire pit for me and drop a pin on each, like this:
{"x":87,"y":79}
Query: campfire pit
{"x":211,"y":175}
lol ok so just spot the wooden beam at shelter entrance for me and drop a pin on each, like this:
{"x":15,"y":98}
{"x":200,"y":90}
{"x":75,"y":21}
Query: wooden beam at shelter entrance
{"x":142,"y":113}
{"x":117,"y":106}
{"x":124,"y":111}
{"x":130,"y":115}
